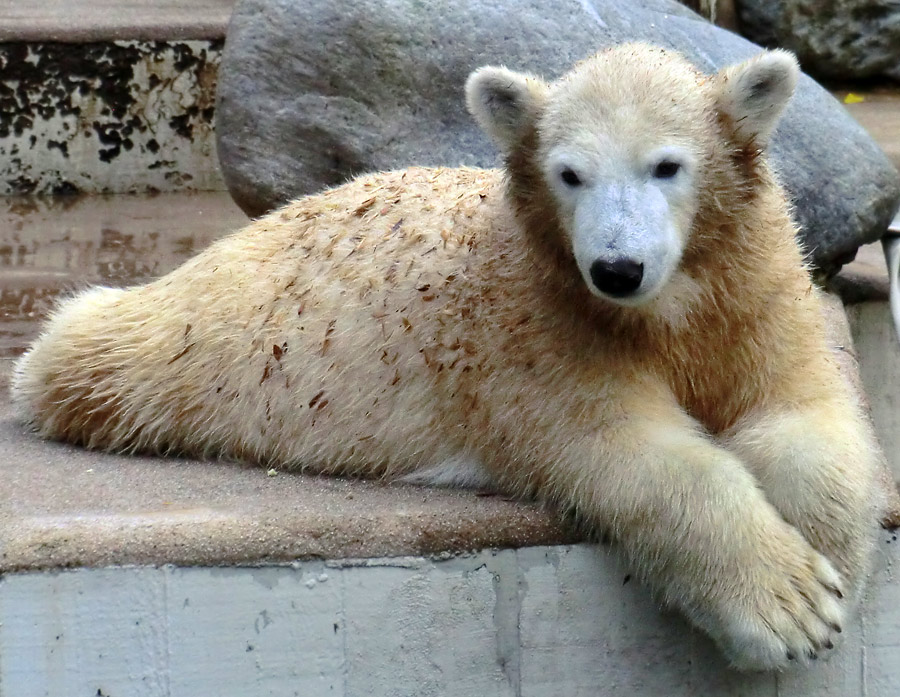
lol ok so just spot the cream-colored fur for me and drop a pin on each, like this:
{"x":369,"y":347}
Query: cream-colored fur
{"x":435,"y":324}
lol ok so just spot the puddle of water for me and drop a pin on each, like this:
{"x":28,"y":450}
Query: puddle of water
{"x":57,"y":245}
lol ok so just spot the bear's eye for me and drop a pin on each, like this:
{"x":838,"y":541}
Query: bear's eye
{"x":666,"y":169}
{"x":569,"y":177}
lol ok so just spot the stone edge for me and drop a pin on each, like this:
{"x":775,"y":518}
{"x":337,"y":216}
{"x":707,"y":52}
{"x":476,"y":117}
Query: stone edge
{"x":92,"y":28}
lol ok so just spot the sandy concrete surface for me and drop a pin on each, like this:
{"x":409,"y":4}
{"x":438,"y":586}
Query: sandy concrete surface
{"x":62,"y":506}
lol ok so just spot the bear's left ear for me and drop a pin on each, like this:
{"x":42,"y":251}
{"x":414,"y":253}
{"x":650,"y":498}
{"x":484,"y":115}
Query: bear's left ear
{"x":754,"y":93}
{"x":504,"y":103}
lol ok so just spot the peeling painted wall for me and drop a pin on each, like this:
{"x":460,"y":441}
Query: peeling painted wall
{"x":112,"y":117}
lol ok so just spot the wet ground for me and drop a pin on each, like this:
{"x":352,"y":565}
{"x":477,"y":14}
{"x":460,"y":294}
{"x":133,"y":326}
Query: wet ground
{"x":57,"y":245}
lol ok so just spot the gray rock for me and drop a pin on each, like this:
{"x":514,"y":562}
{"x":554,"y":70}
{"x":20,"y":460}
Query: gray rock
{"x":845,"y":39}
{"x":313,"y":92}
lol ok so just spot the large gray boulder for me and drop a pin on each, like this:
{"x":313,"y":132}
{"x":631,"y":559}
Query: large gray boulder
{"x":313,"y":92}
{"x":845,"y":39}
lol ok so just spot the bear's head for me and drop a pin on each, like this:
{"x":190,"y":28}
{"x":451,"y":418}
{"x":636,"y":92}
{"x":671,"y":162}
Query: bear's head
{"x":631,"y":154}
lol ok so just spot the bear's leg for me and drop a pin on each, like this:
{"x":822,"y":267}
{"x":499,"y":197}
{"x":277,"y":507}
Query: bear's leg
{"x":818,"y":464}
{"x":697,"y":527}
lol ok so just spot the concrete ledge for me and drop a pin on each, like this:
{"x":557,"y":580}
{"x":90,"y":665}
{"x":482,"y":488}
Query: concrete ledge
{"x":62,"y":507}
{"x":80,"y":21}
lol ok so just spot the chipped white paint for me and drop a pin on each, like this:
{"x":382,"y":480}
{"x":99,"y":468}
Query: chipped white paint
{"x":116,"y":117}
{"x":534,"y":622}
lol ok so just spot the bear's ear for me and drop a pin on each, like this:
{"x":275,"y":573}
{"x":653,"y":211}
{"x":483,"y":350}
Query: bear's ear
{"x":504,"y":103}
{"x":754,"y":93}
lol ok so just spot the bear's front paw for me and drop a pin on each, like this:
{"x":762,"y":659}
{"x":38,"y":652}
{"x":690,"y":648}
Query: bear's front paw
{"x":790,"y":611}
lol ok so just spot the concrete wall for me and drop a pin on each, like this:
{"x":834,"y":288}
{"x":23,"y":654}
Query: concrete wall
{"x":533,"y":622}
{"x":879,"y":367}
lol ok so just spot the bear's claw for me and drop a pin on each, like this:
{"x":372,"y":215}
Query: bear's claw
{"x":791,"y":616}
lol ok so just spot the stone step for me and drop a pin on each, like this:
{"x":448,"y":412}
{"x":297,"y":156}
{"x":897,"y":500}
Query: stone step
{"x":109,"y":20}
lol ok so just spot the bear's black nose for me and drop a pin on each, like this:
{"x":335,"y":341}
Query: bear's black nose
{"x":617,"y":278}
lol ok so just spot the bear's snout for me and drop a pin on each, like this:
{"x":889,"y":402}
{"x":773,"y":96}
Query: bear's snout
{"x":618,"y":278}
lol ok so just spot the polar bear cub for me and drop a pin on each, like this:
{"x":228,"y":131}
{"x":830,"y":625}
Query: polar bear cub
{"x":619,"y":324}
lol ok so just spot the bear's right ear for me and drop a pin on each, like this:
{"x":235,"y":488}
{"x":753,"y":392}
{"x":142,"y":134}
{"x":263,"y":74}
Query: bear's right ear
{"x":504,"y":103}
